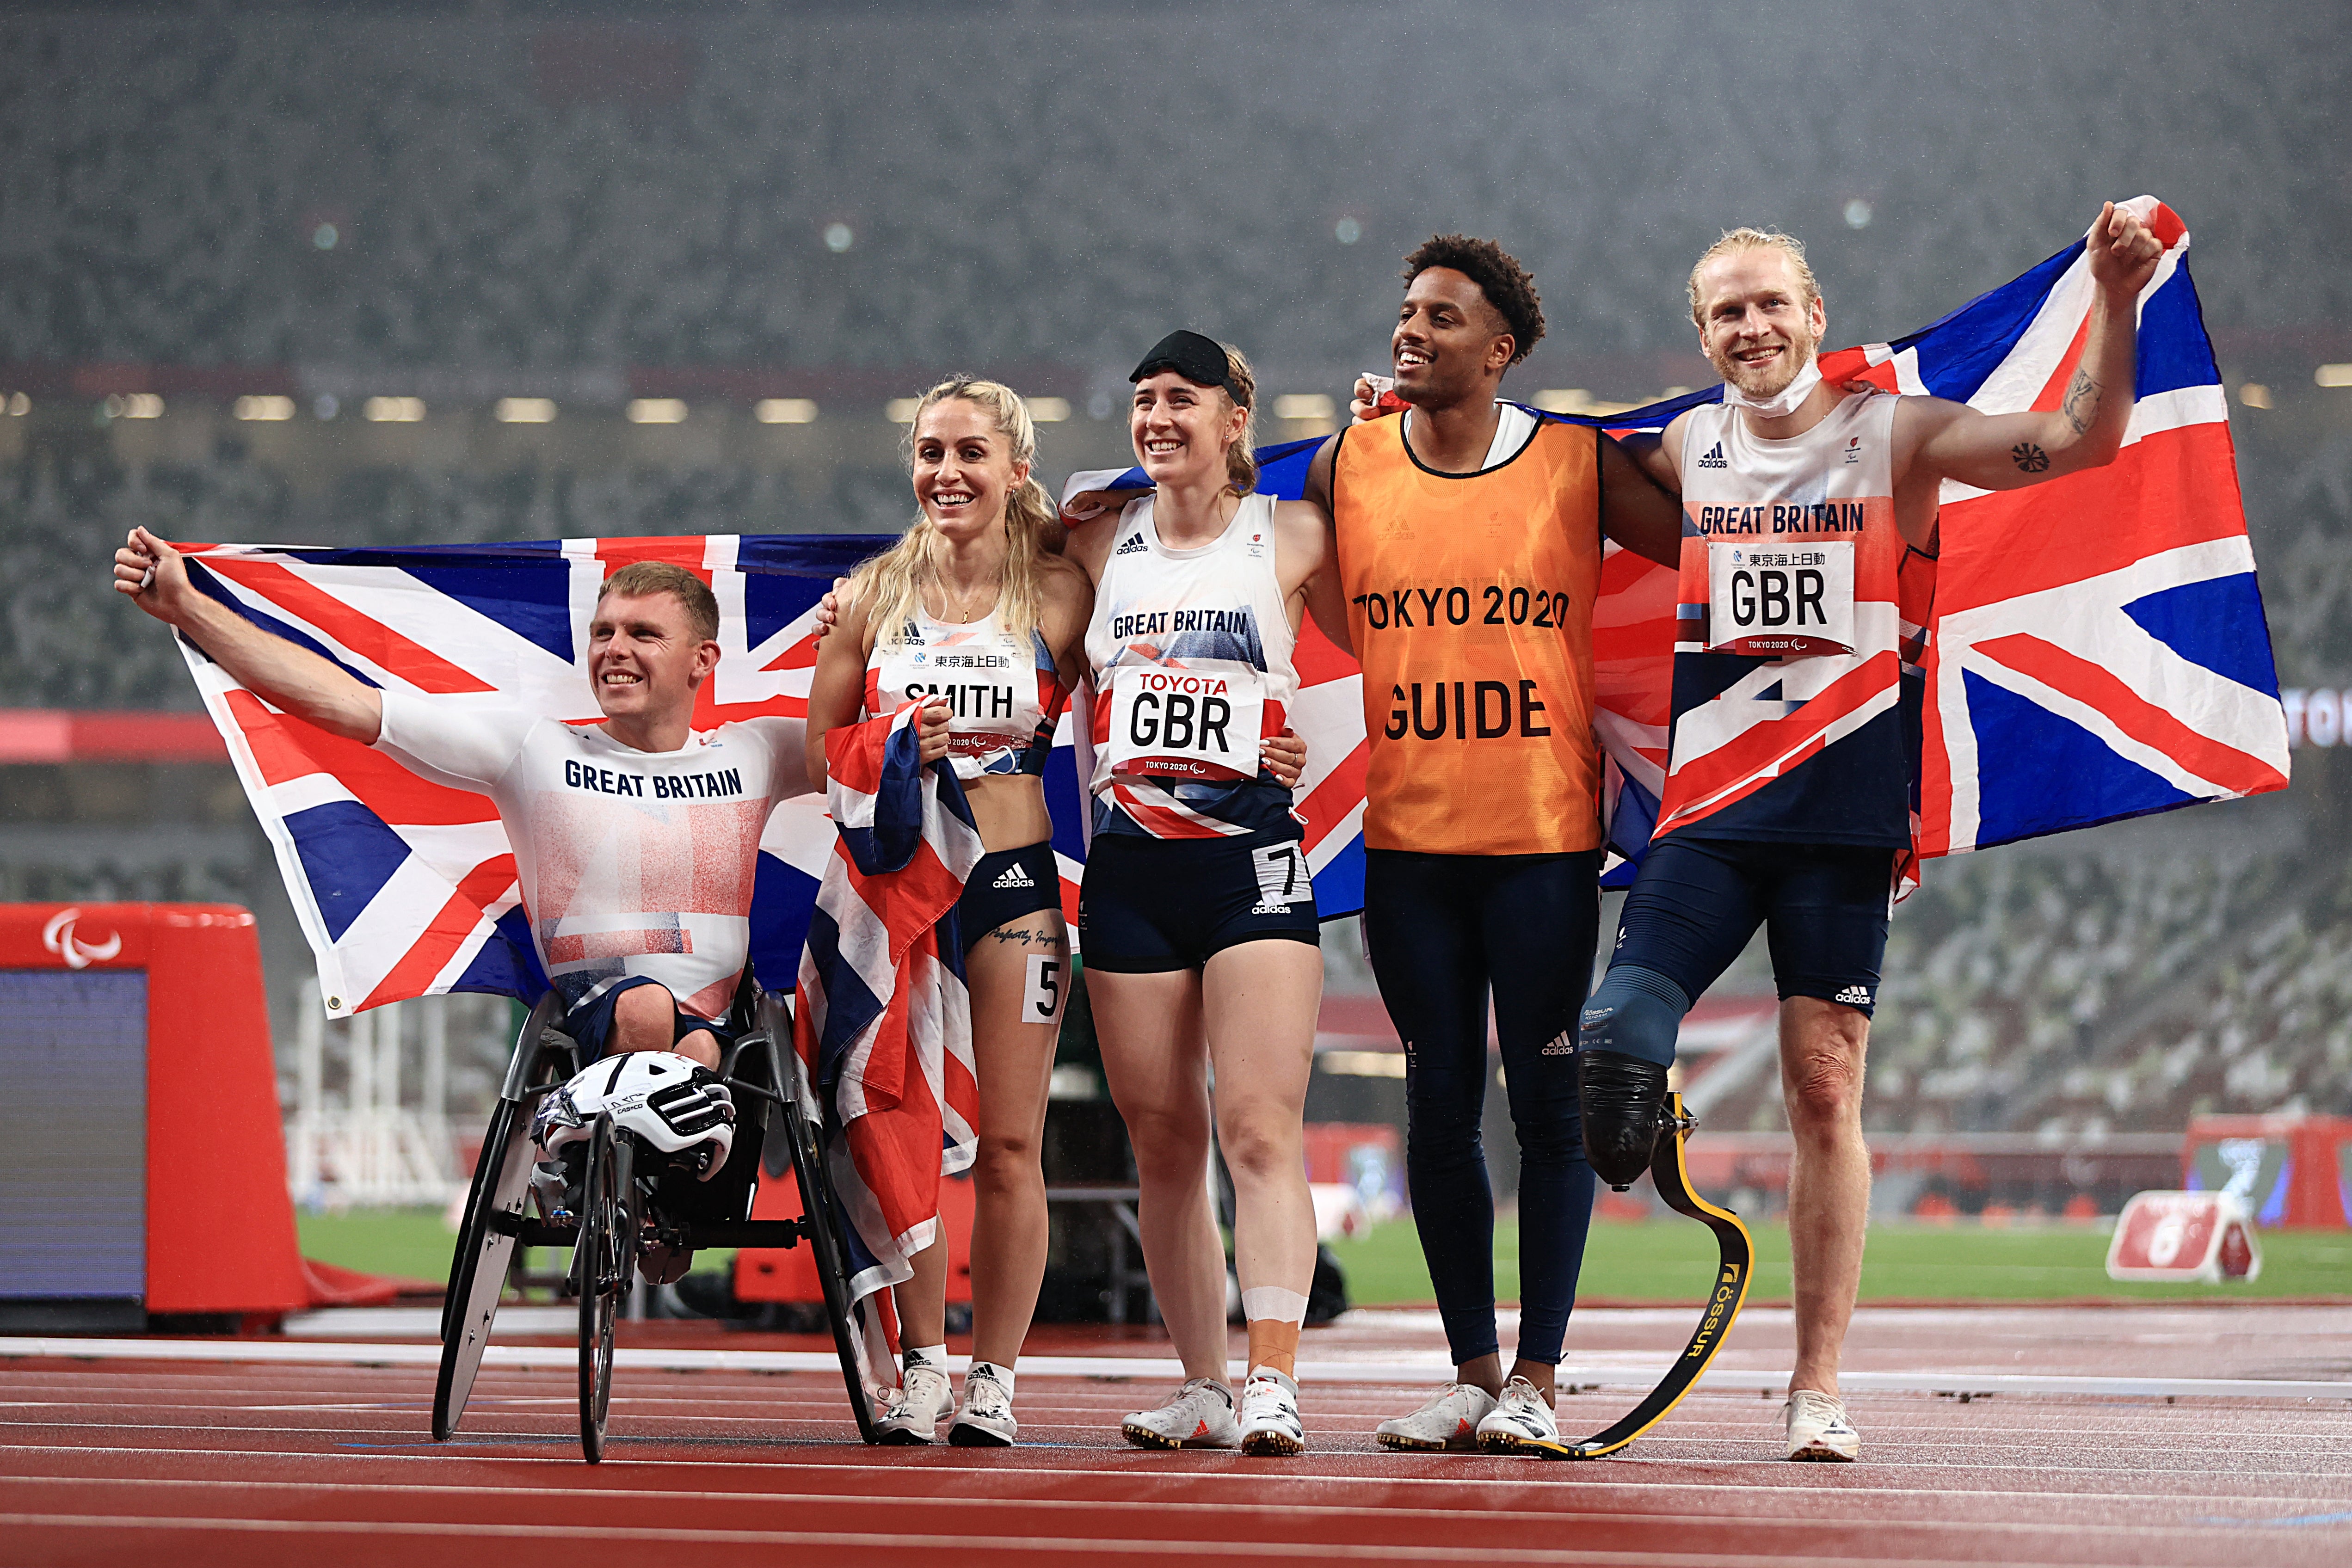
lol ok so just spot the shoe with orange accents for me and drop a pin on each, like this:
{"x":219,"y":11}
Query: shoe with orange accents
{"x":1200,"y":1415}
{"x":1450,"y":1420}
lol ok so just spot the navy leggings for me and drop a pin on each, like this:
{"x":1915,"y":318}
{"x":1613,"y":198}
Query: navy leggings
{"x":1444,"y":930}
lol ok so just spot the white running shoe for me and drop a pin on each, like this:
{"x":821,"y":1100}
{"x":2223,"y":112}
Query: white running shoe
{"x":1200,"y":1415}
{"x":923,"y":1398}
{"x":1523,"y":1415}
{"x":1450,"y":1420}
{"x":985,"y":1421}
{"x":1818,"y":1428}
{"x":1270,"y":1423}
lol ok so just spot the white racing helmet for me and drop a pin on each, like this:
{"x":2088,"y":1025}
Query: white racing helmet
{"x":671,"y":1102}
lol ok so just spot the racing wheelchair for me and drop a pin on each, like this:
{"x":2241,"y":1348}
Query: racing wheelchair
{"x":637,"y":1198}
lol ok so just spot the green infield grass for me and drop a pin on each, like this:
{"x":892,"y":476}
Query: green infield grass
{"x":1673,"y":1260}
{"x":1639,"y":1260}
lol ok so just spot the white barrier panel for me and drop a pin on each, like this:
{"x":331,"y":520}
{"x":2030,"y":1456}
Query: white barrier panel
{"x":2184,"y":1237}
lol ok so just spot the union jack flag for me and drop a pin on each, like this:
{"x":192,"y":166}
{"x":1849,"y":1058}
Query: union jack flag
{"x":2098,"y":649}
{"x":883,"y":1020}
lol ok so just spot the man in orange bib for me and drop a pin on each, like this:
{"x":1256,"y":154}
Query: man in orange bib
{"x":1469,"y":544}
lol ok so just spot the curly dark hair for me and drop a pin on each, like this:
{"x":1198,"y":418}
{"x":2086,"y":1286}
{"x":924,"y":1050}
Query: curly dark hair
{"x":1500,"y":276}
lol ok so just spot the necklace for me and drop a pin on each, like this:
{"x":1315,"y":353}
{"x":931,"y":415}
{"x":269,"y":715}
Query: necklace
{"x":965,"y":607}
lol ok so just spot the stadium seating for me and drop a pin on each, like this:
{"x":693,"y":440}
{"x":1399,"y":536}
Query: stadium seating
{"x":514,"y":186}
{"x":2077,"y":991}
{"x":486,"y":190}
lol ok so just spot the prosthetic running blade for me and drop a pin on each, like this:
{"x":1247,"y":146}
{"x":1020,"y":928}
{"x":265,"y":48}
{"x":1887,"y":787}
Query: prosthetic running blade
{"x":1737,"y":1258}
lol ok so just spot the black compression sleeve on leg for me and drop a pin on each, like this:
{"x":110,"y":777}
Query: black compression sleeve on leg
{"x":1636,"y":1012}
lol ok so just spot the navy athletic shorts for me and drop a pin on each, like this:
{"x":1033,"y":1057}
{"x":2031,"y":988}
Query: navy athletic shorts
{"x":1823,"y":908}
{"x":1005,"y":885}
{"x":1148,"y":906}
{"x":591,"y":1023}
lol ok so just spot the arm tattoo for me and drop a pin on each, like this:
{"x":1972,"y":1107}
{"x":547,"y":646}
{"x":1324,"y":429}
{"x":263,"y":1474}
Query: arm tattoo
{"x":2028,"y":457}
{"x":2081,"y":404}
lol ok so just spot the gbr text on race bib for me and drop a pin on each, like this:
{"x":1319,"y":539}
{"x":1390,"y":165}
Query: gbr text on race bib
{"x":1780,"y":601}
{"x":1185,"y":724}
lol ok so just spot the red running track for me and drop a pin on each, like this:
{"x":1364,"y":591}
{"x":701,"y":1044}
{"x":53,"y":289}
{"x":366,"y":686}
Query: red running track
{"x":199,"y":1464}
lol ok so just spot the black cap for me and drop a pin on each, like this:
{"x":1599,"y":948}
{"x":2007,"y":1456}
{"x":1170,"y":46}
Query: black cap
{"x":1201,"y":361}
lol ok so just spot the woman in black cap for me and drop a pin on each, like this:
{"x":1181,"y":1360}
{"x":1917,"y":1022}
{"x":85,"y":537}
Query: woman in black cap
{"x":1197,"y":917}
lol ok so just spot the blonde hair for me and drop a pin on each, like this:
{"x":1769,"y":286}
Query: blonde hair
{"x":640,"y":578}
{"x":1241,"y":457}
{"x":1744,"y":239}
{"x":890,"y":585}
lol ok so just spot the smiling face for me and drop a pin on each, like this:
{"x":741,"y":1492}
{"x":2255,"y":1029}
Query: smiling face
{"x":1182,"y":430}
{"x":963,"y":469}
{"x":1450,"y":344}
{"x":645,"y":657}
{"x":1755,"y":323}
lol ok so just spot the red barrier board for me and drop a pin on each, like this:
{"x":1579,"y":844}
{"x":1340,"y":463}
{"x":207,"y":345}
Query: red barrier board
{"x":219,"y":1223}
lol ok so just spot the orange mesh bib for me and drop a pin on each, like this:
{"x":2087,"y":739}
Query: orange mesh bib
{"x":1470,"y":601}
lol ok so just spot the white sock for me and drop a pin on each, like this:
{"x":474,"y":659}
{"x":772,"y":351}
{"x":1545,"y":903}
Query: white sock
{"x":934,"y":1356}
{"x":1004,"y":1375}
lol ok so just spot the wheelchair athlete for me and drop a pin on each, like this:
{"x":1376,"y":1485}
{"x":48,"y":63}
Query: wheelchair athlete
{"x":636,"y":840}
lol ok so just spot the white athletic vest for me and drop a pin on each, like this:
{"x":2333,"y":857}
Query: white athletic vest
{"x":1005,"y":699}
{"x":1794,"y":633}
{"x":1190,"y":651}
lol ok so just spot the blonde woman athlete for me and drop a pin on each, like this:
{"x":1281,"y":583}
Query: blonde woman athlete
{"x":1197,"y":918}
{"x":971,"y":615}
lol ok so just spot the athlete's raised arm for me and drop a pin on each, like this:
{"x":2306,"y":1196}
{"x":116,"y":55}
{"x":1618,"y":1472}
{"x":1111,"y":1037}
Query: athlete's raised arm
{"x":2009,"y":451}
{"x":155,"y":576}
{"x":1635,"y":510}
{"x":1327,"y":599}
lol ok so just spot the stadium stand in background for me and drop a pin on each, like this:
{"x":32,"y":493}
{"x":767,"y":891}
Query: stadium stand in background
{"x":716,"y":240}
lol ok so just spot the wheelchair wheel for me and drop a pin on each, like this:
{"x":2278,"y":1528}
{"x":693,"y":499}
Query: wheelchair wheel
{"x":832,"y":1268}
{"x":604,"y":1261}
{"x":478,"y":1268}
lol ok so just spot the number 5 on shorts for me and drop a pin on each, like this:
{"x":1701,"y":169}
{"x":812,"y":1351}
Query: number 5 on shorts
{"x":1041,"y":999}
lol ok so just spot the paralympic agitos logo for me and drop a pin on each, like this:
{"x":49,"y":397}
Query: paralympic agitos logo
{"x":60,"y":936}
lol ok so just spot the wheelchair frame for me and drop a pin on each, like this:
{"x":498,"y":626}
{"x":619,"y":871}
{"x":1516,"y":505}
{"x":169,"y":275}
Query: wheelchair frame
{"x":778,"y":1101}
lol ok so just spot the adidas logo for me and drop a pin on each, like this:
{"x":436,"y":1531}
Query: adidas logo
{"x":1853,"y":997}
{"x":1267,"y":907}
{"x":1131,"y":545}
{"x":1013,"y":876}
{"x":1714,"y":458}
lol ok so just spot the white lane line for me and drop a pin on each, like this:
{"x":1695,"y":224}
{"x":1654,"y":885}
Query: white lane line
{"x":1038,"y":1544}
{"x":619,"y":1455}
{"x":1406,"y":1373}
{"x":537,"y":1495}
{"x":645,"y":1493}
{"x":1253,"y":1480}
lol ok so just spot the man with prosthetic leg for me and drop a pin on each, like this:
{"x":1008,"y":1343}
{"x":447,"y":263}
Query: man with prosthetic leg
{"x":1807,"y":576}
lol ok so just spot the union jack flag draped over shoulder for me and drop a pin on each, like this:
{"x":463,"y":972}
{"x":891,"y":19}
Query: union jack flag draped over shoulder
{"x":2098,"y":652}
